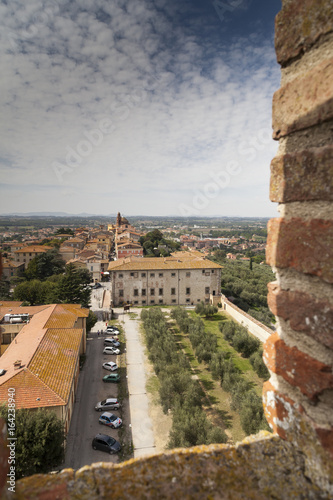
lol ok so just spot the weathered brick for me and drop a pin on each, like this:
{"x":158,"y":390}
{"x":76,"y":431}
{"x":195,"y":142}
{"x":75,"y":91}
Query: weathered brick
{"x":305,"y":245}
{"x":308,"y":374}
{"x":305,"y":101}
{"x":299,"y":25}
{"x":304,"y":312}
{"x":288,"y":419}
{"x":303,"y":176}
{"x":325,"y":437}
{"x":279,"y":409}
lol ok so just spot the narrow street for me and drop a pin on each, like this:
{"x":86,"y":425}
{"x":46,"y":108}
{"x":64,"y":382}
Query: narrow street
{"x":91,"y":389}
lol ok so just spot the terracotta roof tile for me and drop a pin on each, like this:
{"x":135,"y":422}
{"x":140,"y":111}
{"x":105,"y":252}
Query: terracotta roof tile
{"x":55,"y":359}
{"x":160,"y":263}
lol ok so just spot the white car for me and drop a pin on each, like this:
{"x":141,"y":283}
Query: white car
{"x":110,"y":365}
{"x":111,"y":350}
{"x":110,"y":420}
{"x":112,"y":331}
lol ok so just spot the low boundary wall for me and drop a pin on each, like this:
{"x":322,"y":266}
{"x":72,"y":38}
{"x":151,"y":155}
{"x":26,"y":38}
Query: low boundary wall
{"x":262,"y":332}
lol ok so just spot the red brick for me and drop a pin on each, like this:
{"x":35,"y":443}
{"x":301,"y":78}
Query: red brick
{"x":279,"y":409}
{"x":299,"y":25}
{"x":325,"y":437}
{"x":303,"y":176}
{"x":304,"y":312}
{"x":306,"y":246}
{"x":300,"y":370}
{"x":305,"y":101}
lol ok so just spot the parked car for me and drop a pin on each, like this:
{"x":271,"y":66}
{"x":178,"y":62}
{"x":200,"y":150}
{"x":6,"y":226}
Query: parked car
{"x":106,"y":443}
{"x":110,"y":420}
{"x":112,"y":377}
{"x":111,"y":350}
{"x":112,"y":332}
{"x":110,"y":365}
{"x":112,"y":329}
{"x":108,"y":404}
{"x":111,"y":341}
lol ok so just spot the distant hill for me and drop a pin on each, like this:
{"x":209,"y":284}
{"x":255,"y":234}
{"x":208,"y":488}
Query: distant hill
{"x":54,"y":214}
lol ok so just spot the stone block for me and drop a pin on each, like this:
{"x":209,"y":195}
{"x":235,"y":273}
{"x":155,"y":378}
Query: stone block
{"x":299,"y":25}
{"x":305,"y":101}
{"x":304,"y":245}
{"x":303,"y":176}
{"x":304,"y":312}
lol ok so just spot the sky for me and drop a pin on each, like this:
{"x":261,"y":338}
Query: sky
{"x":147,"y":107}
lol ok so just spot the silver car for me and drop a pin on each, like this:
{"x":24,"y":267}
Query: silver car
{"x":108,"y":404}
{"x":111,"y":350}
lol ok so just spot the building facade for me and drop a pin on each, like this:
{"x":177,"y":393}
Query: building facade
{"x":182,"y":280}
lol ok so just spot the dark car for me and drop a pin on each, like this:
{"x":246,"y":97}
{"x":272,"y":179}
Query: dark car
{"x":105,"y":443}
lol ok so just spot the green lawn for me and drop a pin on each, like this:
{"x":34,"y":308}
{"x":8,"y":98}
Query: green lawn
{"x":219,"y":410}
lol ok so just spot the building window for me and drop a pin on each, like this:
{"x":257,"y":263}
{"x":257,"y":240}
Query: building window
{"x":173,"y":291}
{"x":120,"y":275}
{"x":152,"y":301}
{"x":203,"y":271}
{"x":174,"y":301}
{"x":188,"y":291}
{"x":6,"y":338}
{"x":207,"y":300}
{"x":173,"y":275}
{"x":188,"y":274}
{"x":160,"y":291}
{"x":160,"y":275}
{"x":143,"y":275}
{"x":213,"y":271}
{"x":143,"y":302}
{"x":213,"y":292}
{"x":134,"y":275}
{"x":136,"y":302}
{"x":187,"y":300}
{"x":152,"y":275}
{"x":136,"y":292}
{"x":143,"y":292}
{"x":207,"y":290}
{"x":152,"y":291}
{"x":121,"y":293}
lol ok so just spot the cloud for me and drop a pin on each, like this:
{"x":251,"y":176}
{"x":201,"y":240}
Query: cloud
{"x":178,"y":106}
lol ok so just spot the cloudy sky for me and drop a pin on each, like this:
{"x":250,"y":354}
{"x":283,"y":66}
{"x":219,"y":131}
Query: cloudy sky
{"x":150,"y":107}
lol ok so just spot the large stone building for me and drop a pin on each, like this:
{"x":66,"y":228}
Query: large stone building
{"x":177,"y":280}
{"x":42,"y":360}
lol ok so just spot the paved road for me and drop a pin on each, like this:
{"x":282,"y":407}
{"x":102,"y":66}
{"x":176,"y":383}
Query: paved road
{"x":84,"y":425}
{"x":142,"y":429}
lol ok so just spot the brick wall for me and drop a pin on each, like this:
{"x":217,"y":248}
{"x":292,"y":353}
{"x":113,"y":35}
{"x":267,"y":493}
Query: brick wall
{"x":298,"y":398}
